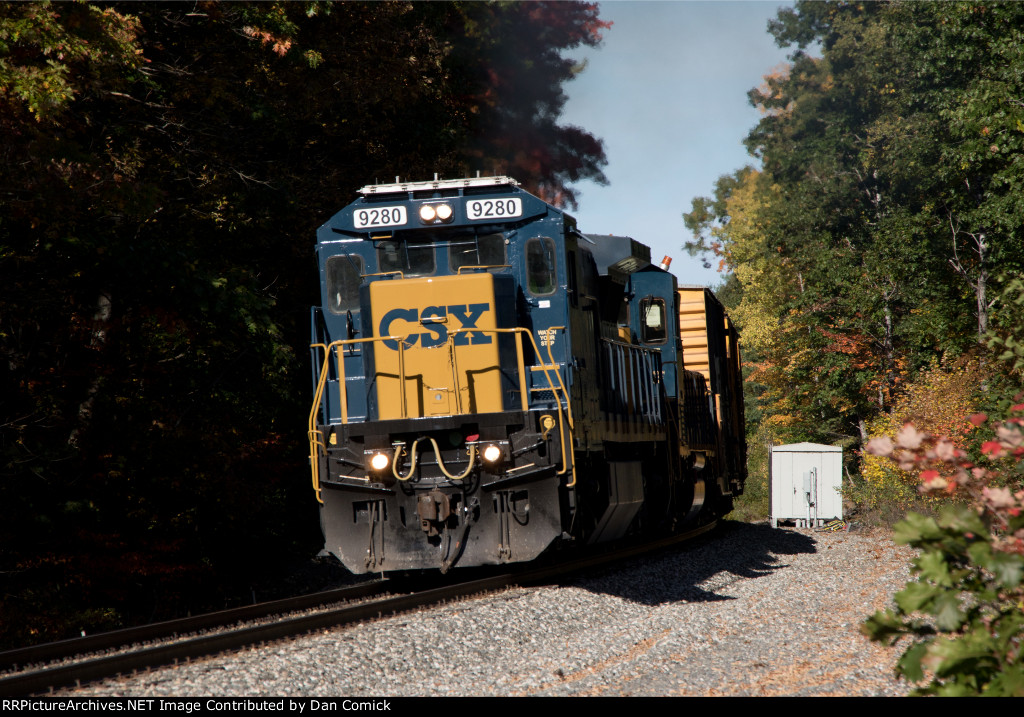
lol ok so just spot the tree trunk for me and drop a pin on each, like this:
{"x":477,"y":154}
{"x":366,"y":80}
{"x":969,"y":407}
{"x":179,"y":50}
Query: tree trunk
{"x":979,"y":292}
{"x":100,"y":325}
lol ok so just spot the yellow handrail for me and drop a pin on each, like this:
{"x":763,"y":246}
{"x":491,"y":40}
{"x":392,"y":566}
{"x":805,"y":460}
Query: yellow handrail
{"x":316,"y":440}
{"x":519,"y":332}
{"x":317,"y":443}
{"x":483,"y":266}
{"x":314,"y":436}
{"x":568,"y":407}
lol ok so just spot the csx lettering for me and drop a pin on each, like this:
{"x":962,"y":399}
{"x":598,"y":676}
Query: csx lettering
{"x":433,"y":319}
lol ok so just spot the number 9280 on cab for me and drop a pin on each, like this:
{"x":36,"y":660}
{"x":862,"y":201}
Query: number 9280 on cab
{"x":491,"y":384}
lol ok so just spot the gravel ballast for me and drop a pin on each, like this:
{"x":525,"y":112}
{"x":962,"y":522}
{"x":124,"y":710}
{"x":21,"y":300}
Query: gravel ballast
{"x":749,"y":610}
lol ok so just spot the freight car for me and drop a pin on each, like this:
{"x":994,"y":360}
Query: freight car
{"x":490,"y":383}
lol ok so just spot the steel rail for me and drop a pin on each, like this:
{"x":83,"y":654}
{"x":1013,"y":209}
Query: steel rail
{"x":64,"y":649}
{"x":35,"y":681}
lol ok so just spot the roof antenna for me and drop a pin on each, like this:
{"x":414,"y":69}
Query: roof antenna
{"x":397,"y":180}
{"x":435,"y":176}
{"x":478,"y":174}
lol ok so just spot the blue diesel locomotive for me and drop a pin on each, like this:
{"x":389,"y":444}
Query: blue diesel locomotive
{"x":490,"y":383}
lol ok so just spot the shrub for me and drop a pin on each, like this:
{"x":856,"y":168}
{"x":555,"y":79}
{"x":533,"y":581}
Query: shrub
{"x":936,"y":401}
{"x":753,"y":505}
{"x":964,"y":614}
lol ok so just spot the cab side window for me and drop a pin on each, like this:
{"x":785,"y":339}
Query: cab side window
{"x":540,"y":266}
{"x":653,"y":320}
{"x":343,"y":279}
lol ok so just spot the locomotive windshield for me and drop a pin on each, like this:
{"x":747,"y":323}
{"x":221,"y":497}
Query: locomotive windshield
{"x":486,"y":250}
{"x":412,"y":257}
{"x":416,"y":257}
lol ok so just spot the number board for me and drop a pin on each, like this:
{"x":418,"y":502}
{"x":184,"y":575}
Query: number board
{"x":380,"y":217}
{"x":494,"y":209}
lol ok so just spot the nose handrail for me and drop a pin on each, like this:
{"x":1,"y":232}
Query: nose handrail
{"x":318,"y":446}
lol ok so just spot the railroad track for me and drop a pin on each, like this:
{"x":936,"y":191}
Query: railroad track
{"x":40,"y":668}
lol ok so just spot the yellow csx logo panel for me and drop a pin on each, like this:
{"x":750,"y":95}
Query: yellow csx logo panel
{"x":446,"y":371}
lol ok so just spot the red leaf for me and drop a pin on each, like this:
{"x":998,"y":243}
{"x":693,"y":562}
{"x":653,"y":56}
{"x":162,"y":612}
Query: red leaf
{"x":992,"y":448}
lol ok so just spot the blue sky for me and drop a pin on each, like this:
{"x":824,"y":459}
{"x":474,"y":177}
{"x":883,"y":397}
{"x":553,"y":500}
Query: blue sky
{"x":667,"y":92}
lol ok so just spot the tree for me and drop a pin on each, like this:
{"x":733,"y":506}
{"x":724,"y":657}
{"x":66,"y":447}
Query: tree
{"x":956,"y":93}
{"x":880,"y":195}
{"x":516,"y":129}
{"x":166,"y":167}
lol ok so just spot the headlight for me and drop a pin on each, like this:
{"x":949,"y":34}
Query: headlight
{"x":436,"y":213}
{"x":492,"y":454}
{"x":380,"y":461}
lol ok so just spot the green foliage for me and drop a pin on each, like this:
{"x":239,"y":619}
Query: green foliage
{"x":964,"y":615}
{"x":1007,"y":336}
{"x":887,"y":212}
{"x":45,"y":48}
{"x":755,"y":503}
{"x":868,"y":243}
{"x":972,"y":591}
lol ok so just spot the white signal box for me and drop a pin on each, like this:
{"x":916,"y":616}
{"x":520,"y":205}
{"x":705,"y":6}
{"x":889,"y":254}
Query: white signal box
{"x":805,"y":484}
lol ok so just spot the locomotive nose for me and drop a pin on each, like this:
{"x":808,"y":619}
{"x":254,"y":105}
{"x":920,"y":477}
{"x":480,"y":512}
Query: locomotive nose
{"x":448,"y":359}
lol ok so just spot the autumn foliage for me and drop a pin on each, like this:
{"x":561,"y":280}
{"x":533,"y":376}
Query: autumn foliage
{"x":970,"y":571}
{"x":877,"y":259}
{"x":883,"y":215}
{"x":937,"y":401}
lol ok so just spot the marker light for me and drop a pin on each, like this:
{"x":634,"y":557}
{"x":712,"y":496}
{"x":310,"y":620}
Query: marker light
{"x":444,"y":212}
{"x":380,"y":461}
{"x":428,"y":213}
{"x":492,"y":454}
